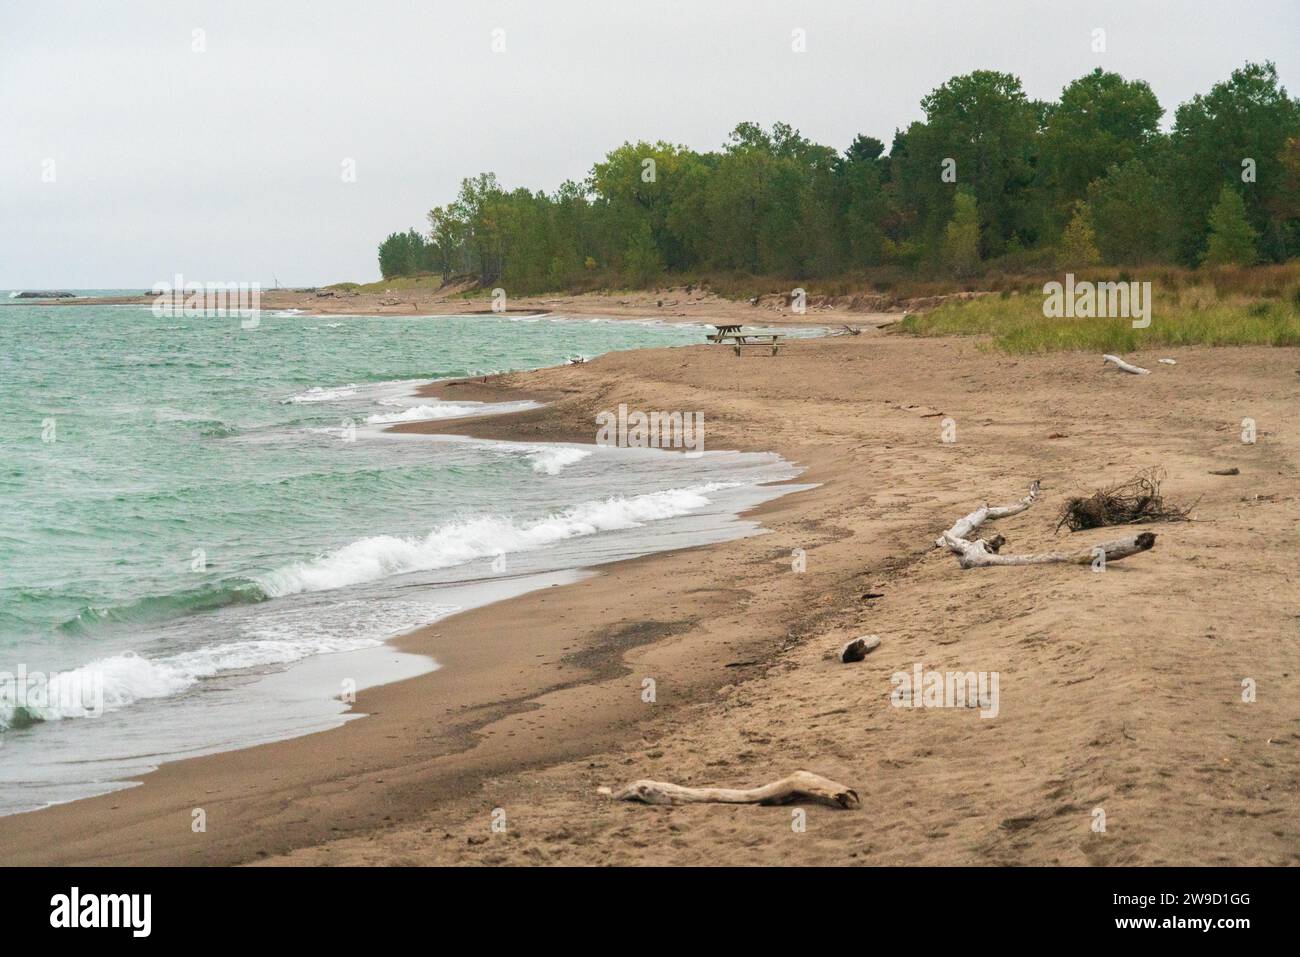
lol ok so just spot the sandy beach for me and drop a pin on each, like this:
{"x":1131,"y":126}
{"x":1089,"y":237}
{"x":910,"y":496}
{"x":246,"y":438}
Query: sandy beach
{"x":672,"y":304}
{"x":1120,"y":691}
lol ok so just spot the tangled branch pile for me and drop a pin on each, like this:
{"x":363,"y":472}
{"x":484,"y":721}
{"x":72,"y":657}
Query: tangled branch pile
{"x":1137,"y":500}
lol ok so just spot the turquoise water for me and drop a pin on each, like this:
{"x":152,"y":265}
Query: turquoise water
{"x":191,"y":507}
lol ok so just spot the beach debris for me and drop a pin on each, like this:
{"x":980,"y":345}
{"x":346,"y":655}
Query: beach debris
{"x":966,"y":526}
{"x":852,"y":330}
{"x":1128,"y":503}
{"x":577,"y":360}
{"x":800,"y":787}
{"x":1232,"y":471}
{"x":1168,"y":362}
{"x":1124,"y":366}
{"x":859,"y":648}
{"x":979,"y":552}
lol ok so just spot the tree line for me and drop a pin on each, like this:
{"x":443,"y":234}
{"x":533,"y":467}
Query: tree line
{"x":988,"y":179}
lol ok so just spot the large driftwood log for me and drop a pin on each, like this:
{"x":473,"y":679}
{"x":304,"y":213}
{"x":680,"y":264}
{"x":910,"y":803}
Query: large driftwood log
{"x":798,"y":788}
{"x":1124,"y":366}
{"x":976,"y":553}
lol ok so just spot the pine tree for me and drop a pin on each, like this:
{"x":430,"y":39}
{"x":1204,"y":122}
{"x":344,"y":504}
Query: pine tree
{"x":1078,"y":246}
{"x":1232,"y":238}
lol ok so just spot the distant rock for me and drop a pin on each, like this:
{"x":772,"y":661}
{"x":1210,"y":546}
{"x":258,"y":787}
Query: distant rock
{"x":37,"y":294}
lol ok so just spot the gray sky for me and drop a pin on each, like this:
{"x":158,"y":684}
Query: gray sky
{"x":227,"y":164}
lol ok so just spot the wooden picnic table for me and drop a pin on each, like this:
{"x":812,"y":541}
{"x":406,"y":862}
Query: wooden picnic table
{"x":739,"y":339}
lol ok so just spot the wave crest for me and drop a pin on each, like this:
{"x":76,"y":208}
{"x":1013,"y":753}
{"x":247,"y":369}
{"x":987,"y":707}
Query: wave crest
{"x":380,"y":556}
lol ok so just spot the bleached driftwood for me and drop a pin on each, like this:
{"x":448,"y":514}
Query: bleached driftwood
{"x":800,"y":787}
{"x":964,"y":527}
{"x":976,"y":553}
{"x":1124,"y":366}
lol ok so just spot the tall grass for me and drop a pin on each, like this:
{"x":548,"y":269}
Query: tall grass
{"x":1229,"y":314}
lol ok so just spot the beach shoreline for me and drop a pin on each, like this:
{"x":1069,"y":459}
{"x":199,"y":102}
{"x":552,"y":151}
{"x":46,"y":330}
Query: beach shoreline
{"x":672,"y":305}
{"x":479,"y":683}
{"x":540,"y":698}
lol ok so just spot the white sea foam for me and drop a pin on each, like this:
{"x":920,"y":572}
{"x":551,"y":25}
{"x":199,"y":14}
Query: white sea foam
{"x":427,"y":411}
{"x":551,"y":461}
{"x":322,"y":394}
{"x":379,"y":556}
{"x":424,"y":413}
{"x":270,"y":639}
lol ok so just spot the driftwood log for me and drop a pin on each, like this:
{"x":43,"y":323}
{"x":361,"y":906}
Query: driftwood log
{"x":859,"y":648}
{"x":800,"y":787}
{"x":1124,"y":366}
{"x":978,"y":552}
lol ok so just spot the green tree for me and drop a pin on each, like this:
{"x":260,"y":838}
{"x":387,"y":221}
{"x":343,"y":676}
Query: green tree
{"x":1231,"y":237}
{"x":403,"y":254}
{"x":637,"y":184}
{"x":986,"y":126}
{"x":863,"y":203}
{"x":1078,"y":246}
{"x":1085,"y":176}
{"x":962,"y":245}
{"x":1249,"y":117}
{"x":1101,"y":120}
{"x":642,"y":263}
{"x":1128,"y":210}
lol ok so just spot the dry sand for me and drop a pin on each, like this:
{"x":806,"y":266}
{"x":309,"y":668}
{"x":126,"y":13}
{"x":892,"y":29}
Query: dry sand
{"x":1119,"y":691}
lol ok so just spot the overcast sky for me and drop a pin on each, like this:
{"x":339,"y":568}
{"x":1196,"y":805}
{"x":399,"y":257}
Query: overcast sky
{"x":227,"y":163}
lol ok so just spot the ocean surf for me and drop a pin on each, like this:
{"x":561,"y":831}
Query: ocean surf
{"x":212,"y":537}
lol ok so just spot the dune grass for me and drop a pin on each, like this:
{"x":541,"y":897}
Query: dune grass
{"x":1192,"y":315}
{"x":420,"y":282}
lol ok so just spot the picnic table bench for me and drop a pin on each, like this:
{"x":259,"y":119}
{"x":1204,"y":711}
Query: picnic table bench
{"x":739,"y":339}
